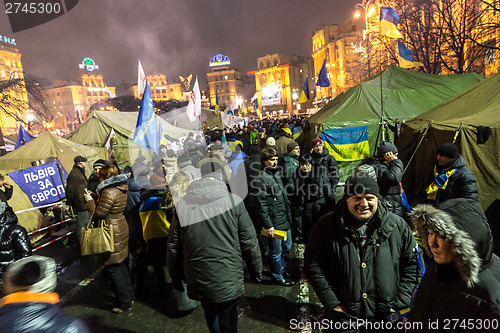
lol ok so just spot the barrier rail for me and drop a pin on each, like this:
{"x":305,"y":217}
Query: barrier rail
{"x":52,"y":241}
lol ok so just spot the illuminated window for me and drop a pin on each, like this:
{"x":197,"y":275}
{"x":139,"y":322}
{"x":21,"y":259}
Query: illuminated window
{"x":3,"y":73}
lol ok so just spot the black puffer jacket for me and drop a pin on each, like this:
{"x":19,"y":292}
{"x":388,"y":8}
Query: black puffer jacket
{"x":14,"y":241}
{"x":36,"y":312}
{"x":462,"y":184}
{"x":208,"y":239}
{"x":370,"y":282}
{"x":329,"y":163}
{"x":273,"y":207}
{"x":389,"y":177}
{"x":469,"y":286}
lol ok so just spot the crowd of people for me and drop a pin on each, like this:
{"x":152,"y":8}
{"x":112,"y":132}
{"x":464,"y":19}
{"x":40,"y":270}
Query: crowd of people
{"x":232,"y":199}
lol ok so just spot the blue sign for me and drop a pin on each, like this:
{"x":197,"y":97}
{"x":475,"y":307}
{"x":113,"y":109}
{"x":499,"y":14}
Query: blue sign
{"x":8,"y":40}
{"x":219,"y":60}
{"x":42,"y":184}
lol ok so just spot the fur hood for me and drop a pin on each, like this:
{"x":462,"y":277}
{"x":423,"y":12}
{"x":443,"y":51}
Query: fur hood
{"x":112,"y":181}
{"x":463,"y":225}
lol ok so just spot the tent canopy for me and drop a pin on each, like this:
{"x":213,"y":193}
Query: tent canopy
{"x":405,"y":94}
{"x":95,"y":131}
{"x":47,"y":147}
{"x":465,"y":116}
{"x":179,"y":118}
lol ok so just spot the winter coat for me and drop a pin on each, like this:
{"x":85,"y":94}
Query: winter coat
{"x":6,"y":194}
{"x":236,"y":160}
{"x":14,"y":240}
{"x":132,"y":208}
{"x":469,"y":286}
{"x":75,"y":185}
{"x":282,"y":143}
{"x":389,"y":177}
{"x":153,"y":219}
{"x":209,"y":239}
{"x":273,"y":207}
{"x":110,"y":207}
{"x":171,"y":167}
{"x":462,"y":184}
{"x":192,"y":172}
{"x":252,"y":168}
{"x":93,"y":182}
{"x":290,"y":164}
{"x":329,"y":164}
{"x":368,"y":282}
{"x":36,"y":312}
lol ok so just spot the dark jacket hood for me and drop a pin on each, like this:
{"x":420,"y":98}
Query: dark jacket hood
{"x":206,"y":190}
{"x":462,"y":223}
{"x":119,"y":181}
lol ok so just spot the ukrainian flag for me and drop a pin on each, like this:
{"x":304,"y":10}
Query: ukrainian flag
{"x":153,"y":218}
{"x":287,"y":131}
{"x":388,"y":21}
{"x":297,"y":131}
{"x":347,"y":143}
{"x":304,"y":94}
{"x":217,"y":105}
{"x":405,"y":57}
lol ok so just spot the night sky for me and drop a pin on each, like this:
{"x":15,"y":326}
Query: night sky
{"x":172,"y":37}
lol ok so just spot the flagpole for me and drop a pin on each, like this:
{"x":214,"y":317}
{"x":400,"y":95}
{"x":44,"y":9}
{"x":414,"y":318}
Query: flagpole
{"x":382,"y":93}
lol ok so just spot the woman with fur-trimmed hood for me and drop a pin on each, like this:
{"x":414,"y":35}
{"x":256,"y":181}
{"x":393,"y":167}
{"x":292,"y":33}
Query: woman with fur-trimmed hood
{"x":463,"y":280}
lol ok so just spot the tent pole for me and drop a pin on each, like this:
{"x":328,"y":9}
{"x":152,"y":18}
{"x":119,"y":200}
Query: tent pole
{"x":419,"y":143}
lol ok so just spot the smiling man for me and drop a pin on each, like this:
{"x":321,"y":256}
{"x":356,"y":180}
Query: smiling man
{"x":360,"y":259}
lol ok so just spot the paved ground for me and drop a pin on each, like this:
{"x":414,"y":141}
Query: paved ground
{"x":265,"y":307}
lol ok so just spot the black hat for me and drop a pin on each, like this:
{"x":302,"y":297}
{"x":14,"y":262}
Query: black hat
{"x":291,"y":146}
{"x":127,"y":169}
{"x":386,"y":147}
{"x":79,"y":159}
{"x":448,"y":150}
{"x":100,"y":163}
{"x":360,"y":184}
{"x":184,"y":160}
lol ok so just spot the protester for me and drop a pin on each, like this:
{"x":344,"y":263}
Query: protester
{"x":30,"y":303}
{"x":359,"y":258}
{"x":75,"y":191}
{"x":389,"y":173}
{"x":206,"y":245}
{"x":452,"y":179}
{"x":14,"y":240}
{"x":170,"y":165}
{"x":462,"y":283}
{"x":5,"y":194}
{"x":112,"y":202}
{"x":290,"y":164}
{"x":322,"y":157}
{"x":186,"y":165}
{"x":282,"y":142}
{"x":94,"y":178}
{"x":274,"y":213}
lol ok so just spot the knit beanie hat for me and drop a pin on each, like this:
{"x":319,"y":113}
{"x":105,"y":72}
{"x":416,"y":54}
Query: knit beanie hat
{"x":386,"y":147}
{"x":360,"y":184}
{"x":368,"y":170}
{"x":315,"y":142}
{"x":270,"y":141}
{"x":33,"y":274}
{"x":448,"y":150}
{"x":291,"y":146}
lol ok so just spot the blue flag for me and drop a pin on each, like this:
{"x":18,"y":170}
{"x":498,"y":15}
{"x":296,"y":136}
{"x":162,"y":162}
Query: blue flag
{"x":323,"y":80}
{"x":68,"y":118}
{"x":146,"y":129}
{"x":22,"y":137}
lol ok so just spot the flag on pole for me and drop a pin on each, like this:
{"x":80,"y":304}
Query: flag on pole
{"x":405,"y":57}
{"x":256,"y":106}
{"x":22,"y":137}
{"x":234,"y":104}
{"x":323,"y":80}
{"x":304,"y":94}
{"x":254,"y":97}
{"x":194,"y":107}
{"x":110,"y":94}
{"x":141,"y":81}
{"x":77,"y":116}
{"x":68,"y":117}
{"x":388,"y":21}
{"x":243,"y":109}
{"x":162,"y":140}
{"x":109,"y":142}
{"x":146,"y":128}
{"x":217,"y":105}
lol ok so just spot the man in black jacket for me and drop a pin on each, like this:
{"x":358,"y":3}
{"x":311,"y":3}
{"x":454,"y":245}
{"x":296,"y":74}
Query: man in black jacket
{"x":7,"y":193}
{"x":360,"y":258}
{"x":75,"y":190}
{"x":208,"y":239}
{"x":274,"y":213}
{"x":321,"y":156}
{"x":452,"y":179}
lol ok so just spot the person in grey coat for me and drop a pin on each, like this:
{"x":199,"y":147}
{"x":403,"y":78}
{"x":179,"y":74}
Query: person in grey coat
{"x":208,"y":239}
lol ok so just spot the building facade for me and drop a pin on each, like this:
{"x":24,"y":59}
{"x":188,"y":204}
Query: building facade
{"x":342,"y":47}
{"x":279,"y":81}
{"x":161,"y":89}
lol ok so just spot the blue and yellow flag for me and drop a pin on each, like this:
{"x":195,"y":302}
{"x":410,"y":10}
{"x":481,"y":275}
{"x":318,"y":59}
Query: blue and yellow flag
{"x":146,"y":129}
{"x":304,"y":94}
{"x":323,"y":80}
{"x":388,"y":21}
{"x":217,"y":105}
{"x":22,"y":137}
{"x":347,"y":143}
{"x":405,"y":57}
{"x":297,"y":131}
{"x":256,"y":107}
{"x":243,"y":109}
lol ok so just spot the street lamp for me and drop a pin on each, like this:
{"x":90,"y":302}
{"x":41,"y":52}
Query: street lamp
{"x":368,"y":11}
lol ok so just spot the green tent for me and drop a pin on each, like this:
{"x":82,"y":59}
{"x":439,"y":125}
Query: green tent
{"x":406,"y":94}
{"x":179,"y":118}
{"x":468,"y":117}
{"x":46,"y":148}
{"x":96,"y":129}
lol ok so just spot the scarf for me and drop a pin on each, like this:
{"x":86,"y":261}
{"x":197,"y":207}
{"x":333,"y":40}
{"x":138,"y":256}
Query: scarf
{"x":440,"y":182}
